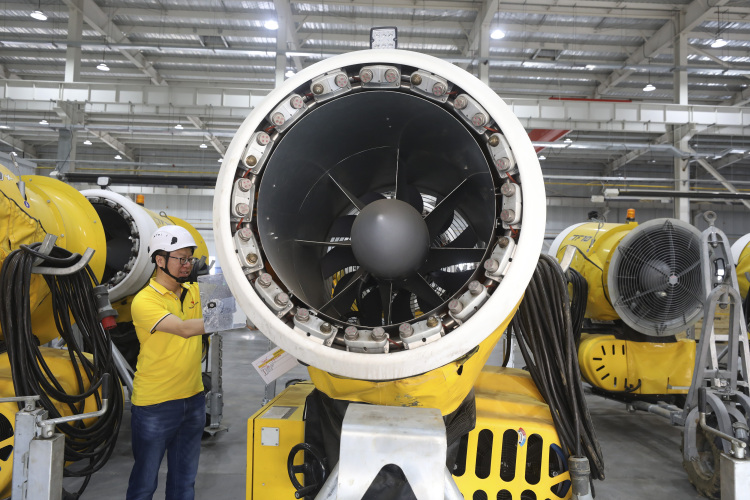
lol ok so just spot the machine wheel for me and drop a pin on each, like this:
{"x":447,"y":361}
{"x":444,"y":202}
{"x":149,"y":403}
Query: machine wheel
{"x":705,"y":473}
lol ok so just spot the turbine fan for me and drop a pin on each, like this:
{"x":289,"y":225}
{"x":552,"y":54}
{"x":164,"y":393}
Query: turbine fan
{"x":395,"y":220}
{"x":654,"y":279}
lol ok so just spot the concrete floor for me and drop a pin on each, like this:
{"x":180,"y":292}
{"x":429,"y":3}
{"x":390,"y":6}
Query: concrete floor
{"x":641,"y":451}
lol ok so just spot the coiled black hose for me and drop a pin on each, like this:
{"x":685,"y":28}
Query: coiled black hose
{"x":543,"y":327}
{"x":579,"y":292}
{"x":73,"y":303}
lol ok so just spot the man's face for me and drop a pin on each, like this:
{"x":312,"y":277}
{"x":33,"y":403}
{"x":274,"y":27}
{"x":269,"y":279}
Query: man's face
{"x":175,"y":265}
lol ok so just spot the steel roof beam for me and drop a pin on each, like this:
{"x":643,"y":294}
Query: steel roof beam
{"x":18,"y":144}
{"x":215,"y":142}
{"x":694,"y":14}
{"x":97,"y":19}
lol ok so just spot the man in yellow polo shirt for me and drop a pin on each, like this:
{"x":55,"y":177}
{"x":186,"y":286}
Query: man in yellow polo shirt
{"x":168,"y":410}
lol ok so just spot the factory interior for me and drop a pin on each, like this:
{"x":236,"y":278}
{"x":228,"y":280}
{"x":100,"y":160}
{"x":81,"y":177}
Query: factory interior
{"x":446,"y":249}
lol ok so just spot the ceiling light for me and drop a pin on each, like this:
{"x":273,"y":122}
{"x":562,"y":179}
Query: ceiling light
{"x":39,"y":15}
{"x":271,"y":25}
{"x":649,"y":88}
{"x":203,"y":145}
{"x":102,"y":66}
{"x":118,"y":157}
{"x":542,"y":157}
{"x":4,"y":126}
{"x":13,"y":153}
{"x":87,"y":142}
{"x":221,"y":160}
{"x":590,"y":66}
{"x":289,"y":73}
{"x":568,"y":140}
{"x":178,"y":126}
{"x":718,"y":43}
{"x":497,"y":34}
{"x":43,"y":121}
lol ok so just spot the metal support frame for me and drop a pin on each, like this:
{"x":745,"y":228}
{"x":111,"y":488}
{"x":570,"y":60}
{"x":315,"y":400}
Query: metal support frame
{"x":38,"y":451}
{"x":715,"y":383}
{"x":374,"y":436}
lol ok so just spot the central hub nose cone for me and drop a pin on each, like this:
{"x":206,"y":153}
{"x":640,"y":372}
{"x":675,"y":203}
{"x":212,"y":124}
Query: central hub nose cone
{"x":390,"y":239}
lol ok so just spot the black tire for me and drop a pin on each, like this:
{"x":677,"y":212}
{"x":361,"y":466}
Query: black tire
{"x":705,"y":473}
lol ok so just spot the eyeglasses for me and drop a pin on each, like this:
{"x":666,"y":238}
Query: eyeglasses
{"x":185,"y":260}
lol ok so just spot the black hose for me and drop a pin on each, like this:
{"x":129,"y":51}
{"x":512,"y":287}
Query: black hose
{"x":544,"y":329}
{"x":73,"y":304}
{"x":579,"y":292}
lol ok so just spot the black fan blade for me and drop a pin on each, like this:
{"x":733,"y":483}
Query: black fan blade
{"x":355,"y":201}
{"x":371,"y":196}
{"x":439,"y":220}
{"x":370,"y":307}
{"x":386,"y":298}
{"x":337,"y":259}
{"x":439,"y":258}
{"x":467,"y":239}
{"x":342,"y":227}
{"x":424,"y":292}
{"x":345,"y":292}
{"x":324,"y":243}
{"x":410,"y":195}
{"x":401,"y":307}
{"x":451,"y":281}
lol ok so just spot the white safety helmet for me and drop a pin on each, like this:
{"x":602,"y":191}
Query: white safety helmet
{"x":169,"y":239}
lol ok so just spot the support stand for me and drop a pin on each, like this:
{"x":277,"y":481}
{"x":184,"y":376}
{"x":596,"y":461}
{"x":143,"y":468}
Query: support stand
{"x":38,"y":451}
{"x":375,"y":436}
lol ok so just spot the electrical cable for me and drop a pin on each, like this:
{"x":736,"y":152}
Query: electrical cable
{"x":545,"y":333}
{"x":579,"y":292}
{"x":89,"y":349}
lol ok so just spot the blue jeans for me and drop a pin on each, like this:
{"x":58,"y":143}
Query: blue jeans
{"x":175,"y":427}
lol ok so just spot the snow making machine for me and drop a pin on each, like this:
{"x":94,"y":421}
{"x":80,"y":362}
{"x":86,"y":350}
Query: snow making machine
{"x":71,"y":263}
{"x":378,"y":217}
{"x":640,"y":290}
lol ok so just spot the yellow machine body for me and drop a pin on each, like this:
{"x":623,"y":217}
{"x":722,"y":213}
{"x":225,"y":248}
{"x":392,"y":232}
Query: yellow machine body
{"x":271,"y":434}
{"x":742,"y":268}
{"x":595,"y":242}
{"x":643,"y":368}
{"x":509,"y":451}
{"x":443,"y":388}
{"x":58,"y":361}
{"x":507,"y":402}
{"x":50,"y":207}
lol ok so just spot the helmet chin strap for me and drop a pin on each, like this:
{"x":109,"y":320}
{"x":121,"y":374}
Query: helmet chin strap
{"x":178,"y":280}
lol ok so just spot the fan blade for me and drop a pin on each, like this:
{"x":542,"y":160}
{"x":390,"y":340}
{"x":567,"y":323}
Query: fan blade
{"x":371,"y":196}
{"x":467,"y":239}
{"x":410,"y":195}
{"x":345,"y":292}
{"x":386,"y":298}
{"x":342,"y":227}
{"x":439,"y":258}
{"x":451,"y":281}
{"x":424,"y":292}
{"x":438,"y":221}
{"x":370,"y":307}
{"x":337,"y":259}
{"x":355,"y":201}
{"x":324,"y":243}
{"x":401,"y":307}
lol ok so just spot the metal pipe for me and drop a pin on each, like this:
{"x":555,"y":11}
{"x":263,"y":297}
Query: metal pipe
{"x":652,"y":408}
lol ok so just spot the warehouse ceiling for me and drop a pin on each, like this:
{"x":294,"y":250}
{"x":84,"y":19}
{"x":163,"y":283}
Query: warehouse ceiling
{"x":183,"y":75}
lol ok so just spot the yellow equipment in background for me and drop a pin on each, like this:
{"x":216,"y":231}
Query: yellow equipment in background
{"x":118,"y":231}
{"x":649,"y":277}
